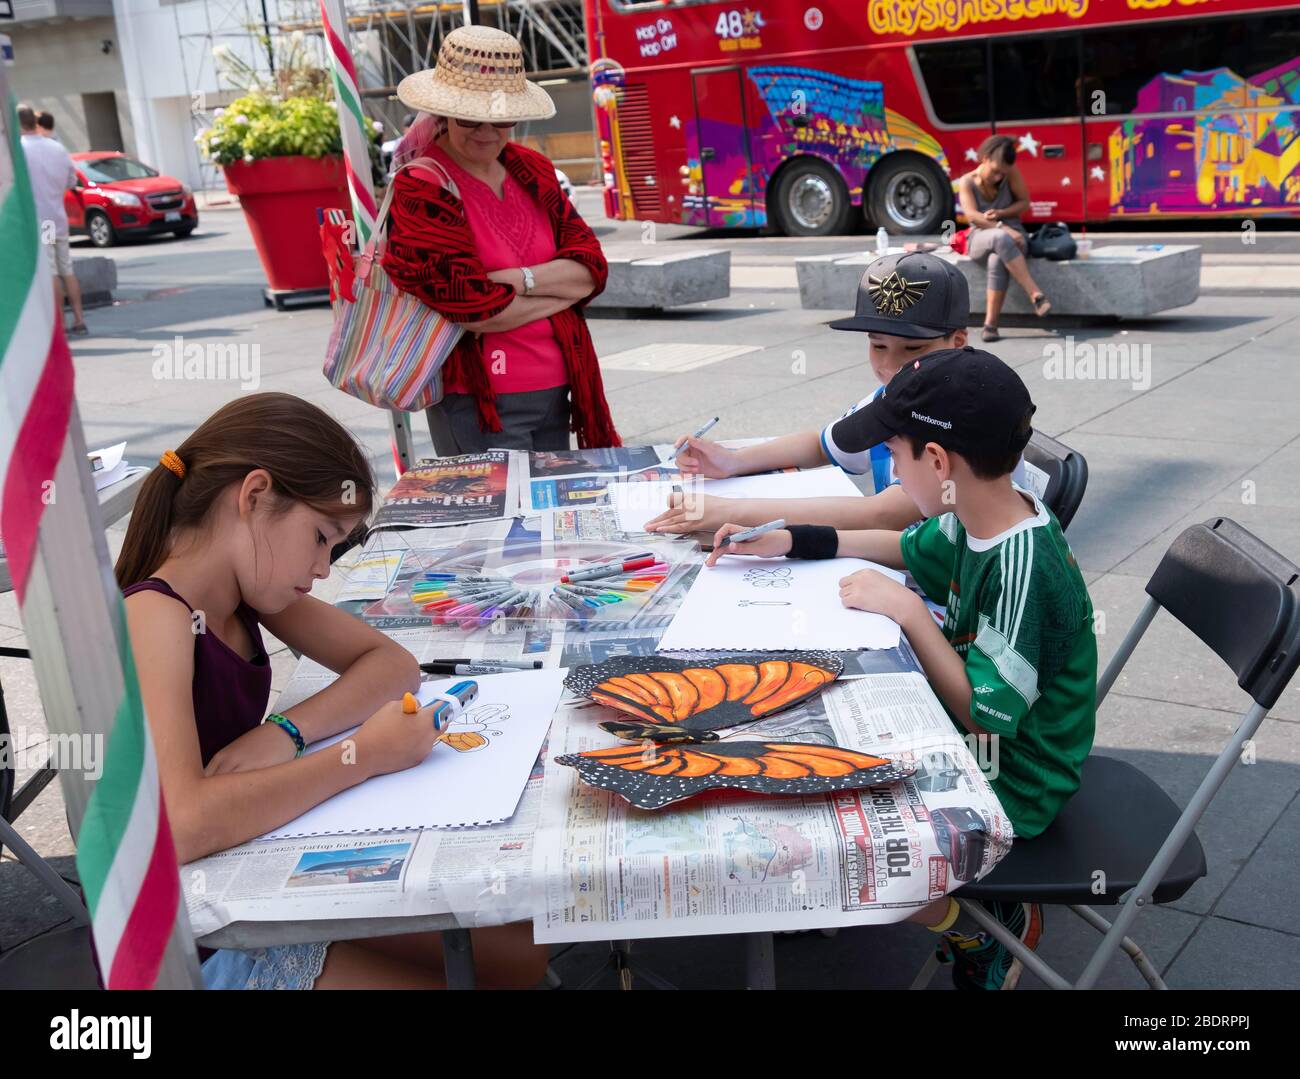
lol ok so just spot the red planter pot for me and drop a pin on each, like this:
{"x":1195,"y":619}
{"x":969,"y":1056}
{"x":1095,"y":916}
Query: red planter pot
{"x":280,"y":196}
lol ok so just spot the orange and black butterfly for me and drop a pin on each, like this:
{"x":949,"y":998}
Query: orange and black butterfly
{"x":676,"y":700}
{"x":651,"y":776}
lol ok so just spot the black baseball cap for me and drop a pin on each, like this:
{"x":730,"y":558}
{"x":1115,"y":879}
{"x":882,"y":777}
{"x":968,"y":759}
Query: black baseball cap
{"x":965,"y":399}
{"x":912,"y":295}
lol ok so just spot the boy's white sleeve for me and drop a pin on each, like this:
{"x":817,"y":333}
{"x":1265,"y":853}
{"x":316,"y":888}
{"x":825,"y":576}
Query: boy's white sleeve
{"x":859,"y":464}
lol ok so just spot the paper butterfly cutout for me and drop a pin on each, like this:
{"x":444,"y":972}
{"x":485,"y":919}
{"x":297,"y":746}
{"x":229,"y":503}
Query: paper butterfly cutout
{"x":676,"y":700}
{"x":651,"y":776}
{"x":679,"y":705}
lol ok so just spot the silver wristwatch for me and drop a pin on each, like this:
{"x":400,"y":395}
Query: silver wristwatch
{"x":530,"y":282}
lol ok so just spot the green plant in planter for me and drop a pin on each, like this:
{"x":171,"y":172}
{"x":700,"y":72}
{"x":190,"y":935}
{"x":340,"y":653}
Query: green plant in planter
{"x":258,"y":125}
{"x":293,"y":114}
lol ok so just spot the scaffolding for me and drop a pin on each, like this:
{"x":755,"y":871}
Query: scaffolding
{"x":395,"y":39}
{"x":390,"y":40}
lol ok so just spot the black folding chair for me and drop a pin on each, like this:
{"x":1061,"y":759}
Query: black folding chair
{"x":1240,"y":597}
{"x":1067,"y":475}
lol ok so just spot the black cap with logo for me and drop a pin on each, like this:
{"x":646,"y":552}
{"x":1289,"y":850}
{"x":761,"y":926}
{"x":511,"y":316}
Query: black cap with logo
{"x":964,"y":399}
{"x":913,"y":295}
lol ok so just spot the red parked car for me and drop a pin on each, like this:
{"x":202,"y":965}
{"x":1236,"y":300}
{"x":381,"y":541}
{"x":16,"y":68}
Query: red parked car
{"x":117,"y":196}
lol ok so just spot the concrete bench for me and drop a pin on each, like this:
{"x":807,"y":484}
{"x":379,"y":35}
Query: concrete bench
{"x":655,"y":276}
{"x":1120,"y":280}
{"x":97,"y":276}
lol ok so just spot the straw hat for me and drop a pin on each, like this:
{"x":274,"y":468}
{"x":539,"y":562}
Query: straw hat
{"x":479,"y":76}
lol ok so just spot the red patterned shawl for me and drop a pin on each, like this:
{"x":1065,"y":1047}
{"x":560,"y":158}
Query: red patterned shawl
{"x":431,"y":254}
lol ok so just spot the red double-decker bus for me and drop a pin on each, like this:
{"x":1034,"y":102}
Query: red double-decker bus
{"x":805,"y":113}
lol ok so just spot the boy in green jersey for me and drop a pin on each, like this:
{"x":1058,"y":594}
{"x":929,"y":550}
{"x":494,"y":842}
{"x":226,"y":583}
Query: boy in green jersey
{"x":1016,"y":656}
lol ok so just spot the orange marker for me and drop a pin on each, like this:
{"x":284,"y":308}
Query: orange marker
{"x":410,"y":706}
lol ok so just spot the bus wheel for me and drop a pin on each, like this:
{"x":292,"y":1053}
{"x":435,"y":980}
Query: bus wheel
{"x":810,"y":200}
{"x":908,"y":195}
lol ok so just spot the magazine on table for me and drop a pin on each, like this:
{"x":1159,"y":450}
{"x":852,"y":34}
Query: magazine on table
{"x":452,"y":491}
{"x":576,"y":478}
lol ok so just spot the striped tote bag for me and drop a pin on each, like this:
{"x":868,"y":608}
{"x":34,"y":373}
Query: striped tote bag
{"x":387,"y":347}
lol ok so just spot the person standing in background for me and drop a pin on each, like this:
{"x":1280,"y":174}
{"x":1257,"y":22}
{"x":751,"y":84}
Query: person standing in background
{"x":52,"y":173}
{"x":45,"y":124}
{"x":504,"y":254}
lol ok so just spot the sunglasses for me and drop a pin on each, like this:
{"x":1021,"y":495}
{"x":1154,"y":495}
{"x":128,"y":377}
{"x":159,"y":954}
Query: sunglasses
{"x":471,"y":124}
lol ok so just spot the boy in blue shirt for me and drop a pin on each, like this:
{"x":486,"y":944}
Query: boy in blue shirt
{"x":909,"y":306}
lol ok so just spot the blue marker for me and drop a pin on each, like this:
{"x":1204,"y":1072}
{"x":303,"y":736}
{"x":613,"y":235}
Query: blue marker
{"x":465,"y":692}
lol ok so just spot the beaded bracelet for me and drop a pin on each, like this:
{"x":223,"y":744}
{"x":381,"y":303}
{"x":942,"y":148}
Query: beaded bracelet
{"x":287,"y":725}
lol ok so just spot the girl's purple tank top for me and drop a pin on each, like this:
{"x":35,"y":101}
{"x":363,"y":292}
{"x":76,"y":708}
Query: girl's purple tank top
{"x":230,"y":692}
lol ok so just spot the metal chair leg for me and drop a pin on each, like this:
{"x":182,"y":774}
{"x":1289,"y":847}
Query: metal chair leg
{"x":926,"y":973}
{"x":26,"y":794}
{"x":1131,"y":948}
{"x":760,"y":961}
{"x":1027,"y":956}
{"x":458,"y":958}
{"x":44,"y":872}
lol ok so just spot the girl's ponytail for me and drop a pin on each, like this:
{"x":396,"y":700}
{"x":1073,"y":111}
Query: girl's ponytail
{"x":148,"y":535}
{"x":310,"y":456}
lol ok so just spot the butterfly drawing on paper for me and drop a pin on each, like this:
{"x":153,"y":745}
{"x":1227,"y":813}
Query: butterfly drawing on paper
{"x":769,"y":578}
{"x":677,"y":707}
{"x":470,"y":731}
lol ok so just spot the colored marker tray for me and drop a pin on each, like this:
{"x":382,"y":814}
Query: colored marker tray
{"x":520,"y":584}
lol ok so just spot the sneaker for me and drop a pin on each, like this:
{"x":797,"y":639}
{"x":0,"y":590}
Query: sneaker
{"x":982,"y":962}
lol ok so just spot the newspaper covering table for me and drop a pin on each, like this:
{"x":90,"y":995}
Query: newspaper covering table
{"x":605,"y":870}
{"x":478,"y":874}
{"x":729,"y":864}
{"x":584,"y":865}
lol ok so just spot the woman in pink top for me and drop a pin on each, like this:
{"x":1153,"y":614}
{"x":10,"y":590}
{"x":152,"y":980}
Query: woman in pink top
{"x":500,"y":250}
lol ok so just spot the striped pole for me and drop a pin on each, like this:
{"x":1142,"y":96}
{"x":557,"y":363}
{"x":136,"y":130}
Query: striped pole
{"x":356,"y":159}
{"x":74,"y":618}
{"x":352,"y":121}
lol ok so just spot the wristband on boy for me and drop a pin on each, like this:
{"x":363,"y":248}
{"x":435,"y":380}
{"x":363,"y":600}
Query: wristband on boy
{"x":287,"y":725}
{"x":813,"y":541}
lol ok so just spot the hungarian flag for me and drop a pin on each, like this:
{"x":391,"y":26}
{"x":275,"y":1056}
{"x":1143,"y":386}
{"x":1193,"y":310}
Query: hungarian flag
{"x":125,"y":853}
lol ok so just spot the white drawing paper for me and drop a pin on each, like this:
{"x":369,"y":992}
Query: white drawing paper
{"x":637,"y":503}
{"x":452,"y":787}
{"x":777,"y":603}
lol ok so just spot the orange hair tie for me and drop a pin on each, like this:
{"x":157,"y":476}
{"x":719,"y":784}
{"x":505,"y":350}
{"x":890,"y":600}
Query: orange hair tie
{"x":173,"y":463}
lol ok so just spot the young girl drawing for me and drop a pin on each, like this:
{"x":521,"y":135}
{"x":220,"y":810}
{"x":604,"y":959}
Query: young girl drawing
{"x":228,"y":535}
